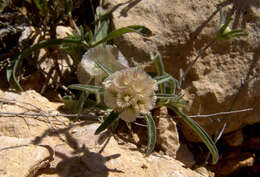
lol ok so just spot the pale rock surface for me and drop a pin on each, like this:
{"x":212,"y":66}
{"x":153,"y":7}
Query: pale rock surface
{"x":70,"y":148}
{"x":20,"y":159}
{"x":63,"y":31}
{"x":29,"y":102}
{"x":167,"y":134}
{"x":180,"y":29}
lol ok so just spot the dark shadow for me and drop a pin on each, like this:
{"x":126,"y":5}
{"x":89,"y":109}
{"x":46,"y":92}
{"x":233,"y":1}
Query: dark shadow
{"x":83,"y":163}
{"x":80,"y":162}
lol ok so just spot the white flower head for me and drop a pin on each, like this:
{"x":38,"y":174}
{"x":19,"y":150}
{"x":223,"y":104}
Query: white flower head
{"x":108,"y":55}
{"x":130,"y":91}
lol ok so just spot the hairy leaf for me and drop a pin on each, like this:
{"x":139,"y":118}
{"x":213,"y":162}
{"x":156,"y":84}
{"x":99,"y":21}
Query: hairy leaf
{"x":11,"y":73}
{"x":134,"y":28}
{"x":104,"y":68}
{"x":158,"y":63}
{"x":89,"y":88}
{"x":151,"y":134}
{"x":200,"y":132}
{"x":113,"y":116}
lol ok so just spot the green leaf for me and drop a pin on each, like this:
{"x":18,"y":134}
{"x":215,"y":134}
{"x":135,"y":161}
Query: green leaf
{"x":134,"y":28}
{"x":151,"y":134}
{"x":115,"y":125}
{"x":102,"y":26}
{"x":167,"y":78}
{"x":166,"y":96}
{"x":223,"y":15}
{"x":74,"y":105}
{"x":163,"y":78}
{"x":157,"y":59}
{"x":102,"y":31}
{"x":45,"y":43}
{"x":238,"y":35}
{"x":89,"y":88}
{"x":173,"y":84}
{"x":113,"y":116}
{"x":159,"y":66}
{"x":104,"y":68}
{"x":200,"y":132}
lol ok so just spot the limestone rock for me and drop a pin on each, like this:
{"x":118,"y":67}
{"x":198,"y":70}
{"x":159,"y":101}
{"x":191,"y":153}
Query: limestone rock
{"x":203,"y":171}
{"x":89,"y":158}
{"x":29,"y":102}
{"x":75,"y":149}
{"x":20,"y":159}
{"x":180,"y":29}
{"x":63,"y":31}
{"x":167,"y":134}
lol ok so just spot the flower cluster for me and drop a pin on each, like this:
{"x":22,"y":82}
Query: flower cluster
{"x":130,"y":91}
{"x":108,"y":55}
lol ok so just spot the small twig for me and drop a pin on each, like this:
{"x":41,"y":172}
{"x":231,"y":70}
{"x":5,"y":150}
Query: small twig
{"x":143,"y":125}
{"x":221,"y":113}
{"x":12,"y":114}
{"x":203,"y":116}
{"x":211,"y":115}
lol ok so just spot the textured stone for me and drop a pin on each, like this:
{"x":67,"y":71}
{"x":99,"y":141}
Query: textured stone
{"x":180,"y":29}
{"x":167,"y":134}
{"x":73,"y":149}
{"x":63,"y":31}
{"x":29,"y":102}
{"x":20,"y":159}
{"x":89,"y":158}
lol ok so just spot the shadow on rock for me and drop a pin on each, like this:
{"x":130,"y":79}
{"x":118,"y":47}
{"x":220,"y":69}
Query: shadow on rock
{"x":84,"y":163}
{"x":72,"y":157}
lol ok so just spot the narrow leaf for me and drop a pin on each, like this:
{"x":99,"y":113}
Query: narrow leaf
{"x":163,"y":78}
{"x":223,"y":15}
{"x":166,"y":96}
{"x":167,"y":78}
{"x":159,"y":66}
{"x":200,"y":132}
{"x":104,"y":68}
{"x":151,"y":134}
{"x":134,"y":28}
{"x":89,"y":88}
{"x":238,"y":35}
{"x":113,"y":116}
{"x":220,"y":133}
{"x":28,"y":51}
{"x":174,"y":84}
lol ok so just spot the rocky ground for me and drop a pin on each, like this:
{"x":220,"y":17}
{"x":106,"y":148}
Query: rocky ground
{"x":39,"y":141}
{"x":59,"y":147}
